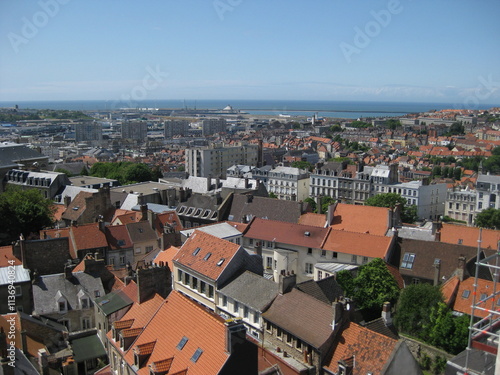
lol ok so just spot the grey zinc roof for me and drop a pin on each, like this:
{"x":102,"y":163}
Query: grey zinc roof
{"x":491,"y":179}
{"x":113,"y":302}
{"x":20,"y":275}
{"x":251,"y":290}
{"x":13,"y":153}
{"x":326,"y":290}
{"x":220,"y":230}
{"x":47,"y":288}
{"x":266,"y":208}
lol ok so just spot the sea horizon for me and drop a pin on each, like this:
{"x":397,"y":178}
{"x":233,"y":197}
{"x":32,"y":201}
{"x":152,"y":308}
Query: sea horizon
{"x":324,"y":108}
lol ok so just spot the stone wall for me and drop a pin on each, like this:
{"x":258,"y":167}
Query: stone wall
{"x":418,"y":348}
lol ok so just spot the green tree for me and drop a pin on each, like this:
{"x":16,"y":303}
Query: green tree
{"x":393,"y":124}
{"x":346,"y":282}
{"x":23,"y":211}
{"x":375,"y":285}
{"x":65,"y":171}
{"x":413,"y":307}
{"x":272,"y":195}
{"x":335,"y":128}
{"x":390,"y":200}
{"x":456,"y":128}
{"x":488,"y":218}
{"x":325,"y":202}
{"x":312,"y":203}
{"x":302,"y":165}
{"x":409,"y":214}
{"x":436,"y":171}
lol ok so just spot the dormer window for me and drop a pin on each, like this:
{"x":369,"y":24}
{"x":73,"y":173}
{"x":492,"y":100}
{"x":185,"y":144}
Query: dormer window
{"x":62,"y":306}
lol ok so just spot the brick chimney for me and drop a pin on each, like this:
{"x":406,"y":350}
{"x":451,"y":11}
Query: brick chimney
{"x":462,"y":261}
{"x":258,"y":248}
{"x":144,"y":212}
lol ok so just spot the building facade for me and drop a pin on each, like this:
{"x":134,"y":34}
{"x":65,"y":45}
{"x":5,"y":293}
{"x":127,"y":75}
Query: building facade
{"x":288,"y":183}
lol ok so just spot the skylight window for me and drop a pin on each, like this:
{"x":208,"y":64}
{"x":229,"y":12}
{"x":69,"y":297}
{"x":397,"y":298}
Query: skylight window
{"x":219,"y":263}
{"x":207,"y":256}
{"x":183,"y":342}
{"x":196,"y":251}
{"x":466,"y":294}
{"x":483,"y":296}
{"x":408,"y":260}
{"x":196,"y":355}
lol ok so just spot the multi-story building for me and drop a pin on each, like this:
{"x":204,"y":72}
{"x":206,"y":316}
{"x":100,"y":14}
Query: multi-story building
{"x":461,"y":205}
{"x":289,"y":183}
{"x":204,"y":161}
{"x":88,"y":131}
{"x":176,"y":127}
{"x":135,"y":130}
{"x":213,"y":126}
{"x":488,"y":190}
{"x":48,"y":183}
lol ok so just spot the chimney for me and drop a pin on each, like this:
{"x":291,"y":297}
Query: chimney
{"x":386,"y":313}
{"x":217,"y":182}
{"x":249,"y":198}
{"x":235,"y":334}
{"x":209,"y":182}
{"x":151,"y":218}
{"x":67,"y":200}
{"x":68,"y":268}
{"x":437,"y":236}
{"x":462,"y":261}
{"x":318,"y":204}
{"x":437,"y":267}
{"x":286,"y":282}
{"x":144,"y":212}
{"x":330,"y":213}
{"x":258,"y":248}
{"x":246,"y":183}
{"x":337,"y":310}
{"x":100,"y":220}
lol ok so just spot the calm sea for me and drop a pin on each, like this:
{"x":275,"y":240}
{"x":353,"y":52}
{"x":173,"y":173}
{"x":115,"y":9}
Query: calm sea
{"x":342,"y":109}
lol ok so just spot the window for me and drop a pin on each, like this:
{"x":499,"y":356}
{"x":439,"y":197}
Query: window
{"x":179,"y":275}
{"x":250,"y":241}
{"x":186,"y":279}
{"x":354,"y":259}
{"x":309,"y":250}
{"x":206,"y":257}
{"x":97,"y":294}
{"x":279,"y":333}
{"x":335,"y":254}
{"x":245,"y":312}
{"x":298,"y":345}
{"x":466,"y":293}
{"x":210,"y":291}
{"x":309,"y":268}
{"x":269,"y":327}
{"x":149,"y":249}
{"x":256,"y":316}
{"x":196,"y":355}
{"x":86,"y":323}
{"x":408,"y":260}
{"x":137,"y":250}
{"x":181,"y":343}
{"x":196,"y":251}
{"x":62,"y":306}
{"x":289,"y":339}
{"x":269,"y":262}
{"x":112,"y":261}
{"x":320,"y":275}
{"x":224,"y":301}
{"x":236,"y":306}
{"x":122,"y":260}
{"x":365,"y":260}
{"x":415,"y":281}
{"x":194,"y":283}
{"x":323,"y":253}
{"x":483,"y":296}
{"x":85,"y":303}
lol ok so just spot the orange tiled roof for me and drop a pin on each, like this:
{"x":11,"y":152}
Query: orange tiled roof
{"x":130,"y":290}
{"x":361,"y":244}
{"x":167,"y":217}
{"x":464,"y":300}
{"x":449,"y":289}
{"x":239,"y":226}
{"x":59,"y":210}
{"x":220,"y":250}
{"x":370,"y":349}
{"x":7,"y":258}
{"x":181,"y":317}
{"x":362,"y":219}
{"x":88,"y":236}
{"x":468,"y":236}
{"x":123,"y":324}
{"x":162,"y":366}
{"x":140,"y":313}
{"x":289,"y":233}
{"x":166,"y":256}
{"x":145,"y":349}
{"x":131,"y":332}
{"x":316,"y":220}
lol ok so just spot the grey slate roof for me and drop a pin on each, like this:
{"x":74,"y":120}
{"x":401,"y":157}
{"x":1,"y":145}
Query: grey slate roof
{"x":480,"y":361}
{"x":141,"y":231}
{"x":303,"y":316}
{"x":13,"y":153}
{"x":268,"y":208}
{"x":47,"y":288}
{"x":251,"y":290}
{"x":326,"y":290}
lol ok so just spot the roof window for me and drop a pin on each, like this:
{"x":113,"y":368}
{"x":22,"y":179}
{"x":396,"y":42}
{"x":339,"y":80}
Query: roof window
{"x":219,"y":263}
{"x":183,"y":342}
{"x":196,"y":251}
{"x":408,"y":260}
{"x":207,"y":256}
{"x":196,"y":355}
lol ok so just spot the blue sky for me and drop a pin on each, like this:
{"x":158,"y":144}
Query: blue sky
{"x":407,"y":50}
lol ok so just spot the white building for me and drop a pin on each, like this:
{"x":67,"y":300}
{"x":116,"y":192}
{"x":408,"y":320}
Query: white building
{"x":289,"y":183}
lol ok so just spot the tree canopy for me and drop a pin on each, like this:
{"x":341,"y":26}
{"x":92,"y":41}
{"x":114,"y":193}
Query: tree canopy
{"x":373,"y":285}
{"x":125,"y":172}
{"x":23,"y":211}
{"x":414,"y":306}
{"x":488,"y":218}
{"x":390,"y":200}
